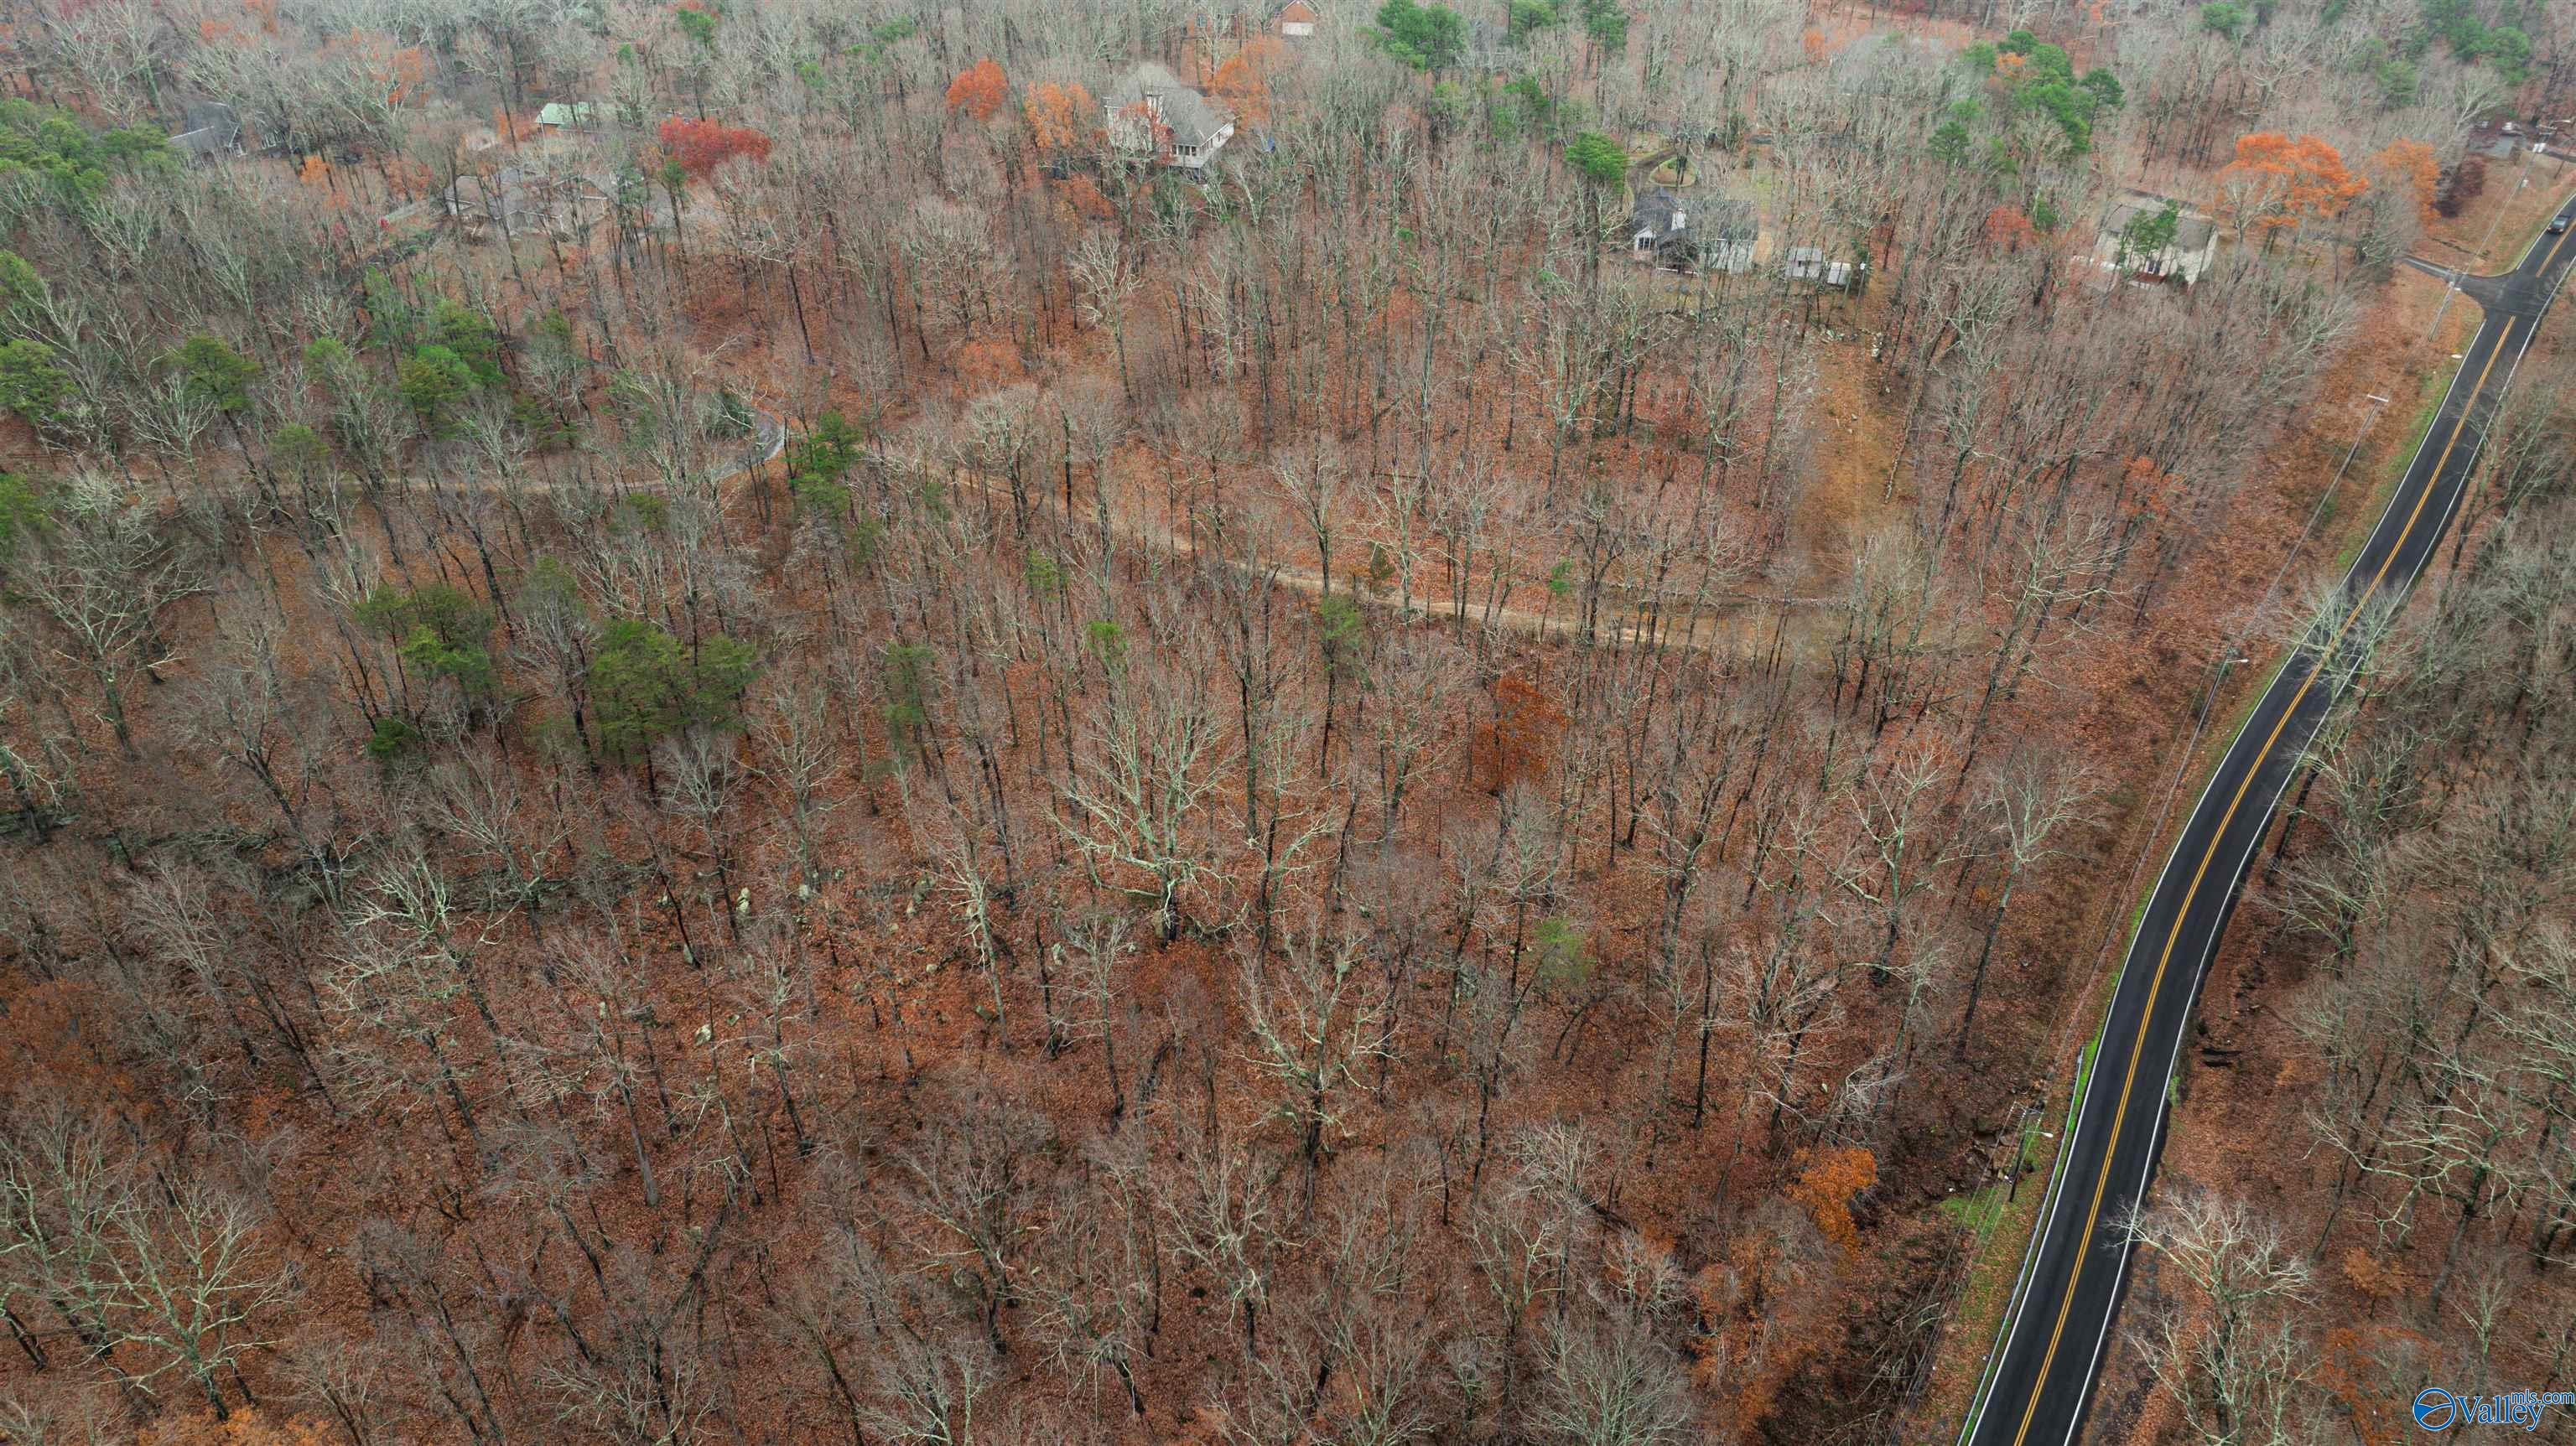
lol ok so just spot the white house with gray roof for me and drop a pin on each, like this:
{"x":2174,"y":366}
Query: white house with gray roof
{"x":2127,"y":242}
{"x":1149,"y":113}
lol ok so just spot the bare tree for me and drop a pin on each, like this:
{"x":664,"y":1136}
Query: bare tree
{"x":973,"y":1182}
{"x":2030,"y":798}
{"x":1216,"y":1209}
{"x":1143,"y":769}
{"x":155,"y":1277}
{"x":102,"y":578}
{"x":1107,"y":285}
{"x":1317,"y":488}
{"x":1315,"y":1026}
{"x":2234,"y":1362}
{"x":1097,"y":989}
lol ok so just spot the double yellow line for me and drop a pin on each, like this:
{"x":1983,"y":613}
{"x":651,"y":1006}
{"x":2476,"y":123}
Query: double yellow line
{"x":2155,"y":985}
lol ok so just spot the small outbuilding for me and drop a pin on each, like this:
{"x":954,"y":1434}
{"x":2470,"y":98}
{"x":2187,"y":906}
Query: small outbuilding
{"x":1810,"y":264}
{"x":578,"y":115}
{"x":1295,"y":20}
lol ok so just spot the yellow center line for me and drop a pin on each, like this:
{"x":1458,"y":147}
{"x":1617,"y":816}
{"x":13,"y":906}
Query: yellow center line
{"x":2155,"y":985}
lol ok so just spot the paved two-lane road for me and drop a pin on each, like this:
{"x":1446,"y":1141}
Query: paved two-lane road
{"x":2051,"y":1345}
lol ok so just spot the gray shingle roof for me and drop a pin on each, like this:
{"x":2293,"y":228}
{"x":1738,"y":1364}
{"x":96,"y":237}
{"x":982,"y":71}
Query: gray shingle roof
{"x":209,"y":115}
{"x":1664,"y":214}
{"x":1655,"y":212}
{"x":1193,"y":118}
{"x":2191,"y":232}
{"x":207,"y":128}
{"x":209,"y":141}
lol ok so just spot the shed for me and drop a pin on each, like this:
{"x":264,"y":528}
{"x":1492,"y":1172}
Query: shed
{"x":1809,"y":263}
{"x":1296,"y":19}
{"x":579,"y":114}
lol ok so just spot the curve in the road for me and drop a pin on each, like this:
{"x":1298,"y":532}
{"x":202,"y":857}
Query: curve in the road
{"x":2041,"y":1376}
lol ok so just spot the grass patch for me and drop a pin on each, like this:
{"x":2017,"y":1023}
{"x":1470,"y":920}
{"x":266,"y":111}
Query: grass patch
{"x":1977,"y":1209}
{"x":2083,"y":1078}
{"x":1980,"y":1211}
{"x":1999,"y":1214}
{"x":2525,"y":237}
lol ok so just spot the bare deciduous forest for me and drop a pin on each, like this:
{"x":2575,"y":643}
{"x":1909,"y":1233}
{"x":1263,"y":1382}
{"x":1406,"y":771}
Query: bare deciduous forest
{"x":1061,"y":722}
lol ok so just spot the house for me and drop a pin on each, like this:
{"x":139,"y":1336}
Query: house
{"x":580,"y":115}
{"x":1295,"y":20}
{"x":1658,"y":223}
{"x":1808,"y":263}
{"x":1150,"y":113}
{"x":518,"y":201}
{"x":2150,"y":236}
{"x":208,"y":128}
{"x":1717,"y":235}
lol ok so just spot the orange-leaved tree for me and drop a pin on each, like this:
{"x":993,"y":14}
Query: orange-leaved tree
{"x":1771,"y":1310}
{"x":701,"y":146}
{"x":1061,"y":117}
{"x":1827,"y":1186}
{"x":1243,"y":82}
{"x":979,"y":90}
{"x":2280,"y":182}
{"x":2411,"y":163}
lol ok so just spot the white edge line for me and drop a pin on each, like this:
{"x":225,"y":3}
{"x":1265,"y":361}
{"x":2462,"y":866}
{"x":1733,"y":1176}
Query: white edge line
{"x":2021,"y":1281}
{"x":2030,"y":1261}
{"x":2146,"y":1171}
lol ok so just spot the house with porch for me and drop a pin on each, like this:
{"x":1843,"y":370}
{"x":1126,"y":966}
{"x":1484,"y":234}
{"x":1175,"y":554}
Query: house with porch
{"x":1711,"y":235}
{"x":1150,"y":115}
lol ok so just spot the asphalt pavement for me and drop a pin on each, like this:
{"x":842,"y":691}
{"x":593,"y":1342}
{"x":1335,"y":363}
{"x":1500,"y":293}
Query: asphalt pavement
{"x":2052,"y":1344}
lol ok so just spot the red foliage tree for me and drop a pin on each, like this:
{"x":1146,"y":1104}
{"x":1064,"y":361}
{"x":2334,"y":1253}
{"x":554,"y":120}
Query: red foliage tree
{"x":1061,"y":117}
{"x":979,"y":90}
{"x":1826,"y":1185}
{"x":701,"y":146}
{"x":2009,"y":228}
